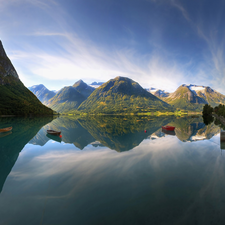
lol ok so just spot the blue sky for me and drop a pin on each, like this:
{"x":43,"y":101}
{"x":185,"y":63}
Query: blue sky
{"x":158,"y":43}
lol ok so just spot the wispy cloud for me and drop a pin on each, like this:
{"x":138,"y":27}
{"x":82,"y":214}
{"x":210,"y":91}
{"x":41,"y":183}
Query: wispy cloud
{"x":77,"y":59}
{"x":213,"y":68}
{"x":55,"y":52}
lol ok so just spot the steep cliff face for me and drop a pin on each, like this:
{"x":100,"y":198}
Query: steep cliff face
{"x":15,"y":98}
{"x":6,"y":67}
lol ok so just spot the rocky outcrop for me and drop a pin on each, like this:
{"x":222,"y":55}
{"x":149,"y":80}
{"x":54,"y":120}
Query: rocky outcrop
{"x":6,"y":67}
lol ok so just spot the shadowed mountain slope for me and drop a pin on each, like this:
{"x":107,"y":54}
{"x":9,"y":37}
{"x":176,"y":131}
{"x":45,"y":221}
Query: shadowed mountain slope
{"x":69,"y":98}
{"x":42,"y":93}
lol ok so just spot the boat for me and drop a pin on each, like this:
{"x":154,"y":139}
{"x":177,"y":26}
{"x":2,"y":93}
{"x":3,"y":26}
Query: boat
{"x":168,"y":127}
{"x":5,"y":129}
{"x":53,"y":132}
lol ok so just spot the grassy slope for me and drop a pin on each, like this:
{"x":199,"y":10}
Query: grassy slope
{"x":122,"y":95}
{"x":180,"y":100}
{"x":65,"y":100}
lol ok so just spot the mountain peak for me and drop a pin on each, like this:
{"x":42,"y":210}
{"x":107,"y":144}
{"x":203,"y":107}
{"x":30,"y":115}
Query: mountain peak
{"x":2,"y":50}
{"x":79,"y":83}
{"x":6,"y":67}
{"x":120,"y":95}
{"x":14,"y":96}
{"x":37,"y":86}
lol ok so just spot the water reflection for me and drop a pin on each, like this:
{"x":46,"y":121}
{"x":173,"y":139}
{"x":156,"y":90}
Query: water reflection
{"x":166,"y":179}
{"x":54,"y":137}
{"x":161,"y":182}
{"x":11,"y":143}
{"x":124,"y":133}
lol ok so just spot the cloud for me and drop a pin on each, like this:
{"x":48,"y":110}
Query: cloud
{"x":213,"y":68}
{"x":55,"y":52}
{"x":74,"y":58}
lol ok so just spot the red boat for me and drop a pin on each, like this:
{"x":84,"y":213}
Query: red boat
{"x":168,"y":128}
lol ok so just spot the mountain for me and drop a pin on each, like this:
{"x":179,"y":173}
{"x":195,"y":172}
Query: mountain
{"x":121,"y":133}
{"x":15,"y":98}
{"x":158,"y":93}
{"x":42,"y":93}
{"x":69,"y":98}
{"x":193,"y":97}
{"x":122,"y":95}
{"x":96,"y":84}
{"x":24,"y":129}
{"x":83,"y":88}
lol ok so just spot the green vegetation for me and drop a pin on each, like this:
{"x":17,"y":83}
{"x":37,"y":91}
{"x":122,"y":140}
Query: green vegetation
{"x":122,"y":96}
{"x":207,"y":110}
{"x":16,"y":99}
{"x":122,"y":133}
{"x":207,"y":114}
{"x":220,"y":110}
{"x":184,"y":99}
{"x":68,"y":99}
{"x":83,"y":88}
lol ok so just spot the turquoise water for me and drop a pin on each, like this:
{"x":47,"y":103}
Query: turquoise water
{"x":107,"y":170}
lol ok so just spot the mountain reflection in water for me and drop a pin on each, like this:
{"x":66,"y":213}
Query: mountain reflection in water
{"x":166,"y":179}
{"x":11,"y":145}
{"x":124,"y":133}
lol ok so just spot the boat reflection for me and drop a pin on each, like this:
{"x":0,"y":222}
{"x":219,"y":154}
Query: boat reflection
{"x":54,"y":137}
{"x":169,"y":132}
{"x":123,"y":133}
{"x":5,"y":134}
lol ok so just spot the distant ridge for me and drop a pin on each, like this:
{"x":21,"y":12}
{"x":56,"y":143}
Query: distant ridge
{"x":69,"y":98}
{"x":158,"y":92}
{"x":42,"y":93}
{"x":96,"y":84}
{"x":193,"y":97}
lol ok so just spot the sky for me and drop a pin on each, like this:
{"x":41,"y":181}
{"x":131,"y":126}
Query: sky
{"x":157,"y":43}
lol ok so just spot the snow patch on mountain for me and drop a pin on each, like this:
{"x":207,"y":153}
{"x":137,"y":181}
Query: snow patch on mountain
{"x":197,"y":88}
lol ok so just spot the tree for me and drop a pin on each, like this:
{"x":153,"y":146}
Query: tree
{"x":207,"y":110}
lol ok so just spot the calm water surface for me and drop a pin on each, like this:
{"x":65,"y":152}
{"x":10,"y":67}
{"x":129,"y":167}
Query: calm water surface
{"x":107,"y":170}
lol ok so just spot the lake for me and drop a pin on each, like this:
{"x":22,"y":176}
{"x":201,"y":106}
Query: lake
{"x":107,"y":170}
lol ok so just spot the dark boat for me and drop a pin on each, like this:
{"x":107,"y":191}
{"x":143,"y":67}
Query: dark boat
{"x":53,"y":132}
{"x":54,"y":137}
{"x":5,"y":129}
{"x":168,"y":128}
